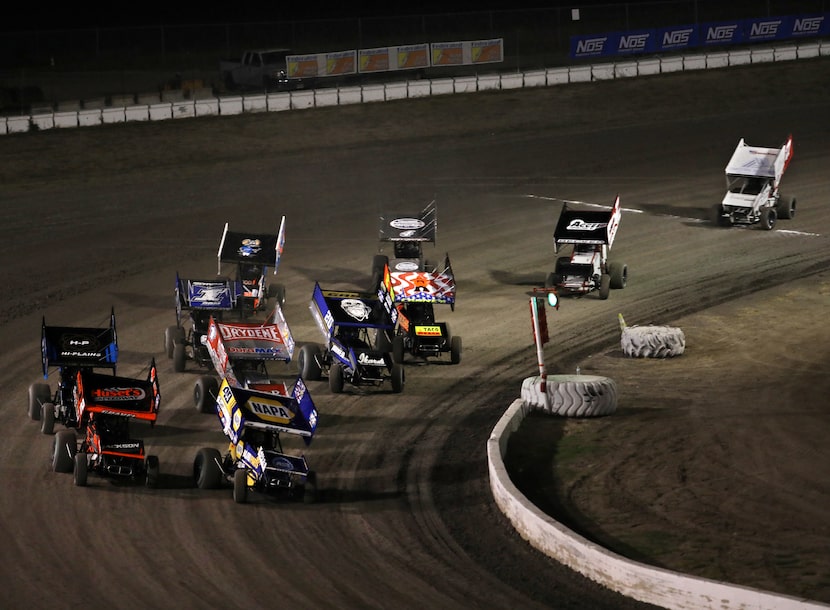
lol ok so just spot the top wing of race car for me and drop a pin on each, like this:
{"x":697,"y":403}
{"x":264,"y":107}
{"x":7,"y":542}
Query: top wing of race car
{"x":408,"y":227}
{"x":122,"y":396}
{"x":74,"y":346}
{"x":431,"y":286}
{"x":260,"y":249}
{"x":294,"y":414}
{"x":218,"y":294}
{"x":587,"y":227}
{"x":332,"y":308}
{"x":757,"y":161}
{"x":233,"y":341}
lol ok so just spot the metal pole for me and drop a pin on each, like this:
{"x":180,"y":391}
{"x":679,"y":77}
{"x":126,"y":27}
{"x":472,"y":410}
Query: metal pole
{"x":540,"y":353}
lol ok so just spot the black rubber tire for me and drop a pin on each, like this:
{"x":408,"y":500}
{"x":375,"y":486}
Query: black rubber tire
{"x":240,"y":486}
{"x":172,"y":335}
{"x":151,"y":471}
{"x":398,"y":349}
{"x":277,"y":292}
{"x":553,"y":280}
{"x":310,"y":492}
{"x":378,"y":262}
{"x":382,"y":342}
{"x":786,"y":208}
{"x":64,"y":447}
{"x":179,"y":357}
{"x":39,"y":394}
{"x":204,"y":394}
{"x":604,"y":286}
{"x":307,"y":362}
{"x":718,"y":218}
{"x":398,"y":378}
{"x":619,"y":275}
{"x":47,"y":418}
{"x":768,"y":218}
{"x":80,"y":469}
{"x":206,"y":471}
{"x":336,"y":378}
{"x":455,"y":350}
{"x":572,"y":395}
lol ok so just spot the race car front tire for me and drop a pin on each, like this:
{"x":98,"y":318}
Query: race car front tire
{"x":604,"y":286}
{"x":308,"y":363}
{"x":336,"y":378}
{"x":768,"y":218}
{"x":172,"y":335}
{"x":47,"y":418}
{"x":398,"y":346}
{"x":455,"y":350}
{"x":240,"y":486}
{"x":64,"y":448}
{"x":151,"y":471}
{"x":206,"y":471}
{"x":39,"y":394}
{"x":619,"y":275}
{"x":179,"y":357}
{"x":397,"y":378}
{"x":204,"y":394}
{"x":79,"y":474}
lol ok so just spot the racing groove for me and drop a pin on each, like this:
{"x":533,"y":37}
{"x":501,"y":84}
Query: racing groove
{"x":104,"y":217}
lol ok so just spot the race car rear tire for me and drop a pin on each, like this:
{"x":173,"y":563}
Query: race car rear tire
{"x":604,"y":286}
{"x":768,"y":218}
{"x":572,"y":395}
{"x":47,"y":418}
{"x":310,"y":493}
{"x":179,"y":357}
{"x":336,"y":378}
{"x":397,"y":378}
{"x":240,"y":486}
{"x":786,"y":208}
{"x":205,"y":391}
{"x":151,"y":471}
{"x":39,"y":394}
{"x":652,"y":341}
{"x":63,"y":451}
{"x":308,"y":362}
{"x":277,"y":292}
{"x":79,"y":474}
{"x":398,"y":346}
{"x":172,"y":335}
{"x":455,"y":350}
{"x":553,"y":280}
{"x":206,"y":471}
{"x":619,"y":275}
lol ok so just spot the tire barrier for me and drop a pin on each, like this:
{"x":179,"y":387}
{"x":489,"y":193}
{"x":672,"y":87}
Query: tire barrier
{"x":572,"y":395}
{"x":651,"y":341}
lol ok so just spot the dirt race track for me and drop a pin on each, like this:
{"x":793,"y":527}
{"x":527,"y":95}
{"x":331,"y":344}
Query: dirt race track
{"x":716,"y":462}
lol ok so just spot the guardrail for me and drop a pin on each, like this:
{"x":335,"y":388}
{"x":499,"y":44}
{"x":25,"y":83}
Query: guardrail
{"x":174,"y":105}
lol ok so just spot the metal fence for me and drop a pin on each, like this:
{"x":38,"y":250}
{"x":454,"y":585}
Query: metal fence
{"x":532,"y":39}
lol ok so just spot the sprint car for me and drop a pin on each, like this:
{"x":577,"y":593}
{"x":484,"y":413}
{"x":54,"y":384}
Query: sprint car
{"x":239,"y":352}
{"x":417,"y":332}
{"x":753,"y":175}
{"x":255,"y":460}
{"x":590,"y":234}
{"x":251,"y":254}
{"x":70,"y":349}
{"x":196,"y":302}
{"x":408,"y":233}
{"x":352,"y":325}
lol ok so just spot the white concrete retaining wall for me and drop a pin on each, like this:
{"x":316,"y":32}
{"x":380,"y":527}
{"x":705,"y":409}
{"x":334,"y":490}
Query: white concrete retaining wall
{"x":630,"y":578}
{"x":171,"y":104}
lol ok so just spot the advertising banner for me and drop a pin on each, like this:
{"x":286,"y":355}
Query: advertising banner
{"x":302,"y":66}
{"x":447,"y":53}
{"x":487,"y":51}
{"x":676,"y":38}
{"x":413,"y":56}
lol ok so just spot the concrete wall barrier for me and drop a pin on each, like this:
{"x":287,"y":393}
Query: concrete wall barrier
{"x":230,"y":105}
{"x":326,"y":97}
{"x":186,"y":109}
{"x":488,"y":82}
{"x":350,"y":95}
{"x":278,"y":102}
{"x":396,"y":91}
{"x":255,"y":103}
{"x":717,"y":60}
{"x":137,"y":113}
{"x":648,"y":66}
{"x":84,"y":118}
{"x":301,"y":100}
{"x":113,"y":115}
{"x":626,"y":69}
{"x":442,"y":86}
{"x":418,"y":88}
{"x":512,"y":81}
{"x":630,"y":578}
{"x":579,"y":74}
{"x":602,"y":72}
{"x":536,"y":78}
{"x":374,"y":93}
{"x":161,"y":111}
{"x":760,"y":56}
{"x":465,"y":84}
{"x":694,"y":62}
{"x":206,"y":107}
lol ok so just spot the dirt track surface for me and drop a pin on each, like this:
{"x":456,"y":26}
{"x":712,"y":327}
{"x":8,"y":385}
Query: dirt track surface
{"x":716,"y":462}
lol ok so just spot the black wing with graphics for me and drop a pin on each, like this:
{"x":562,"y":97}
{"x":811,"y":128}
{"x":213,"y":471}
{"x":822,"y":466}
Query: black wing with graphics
{"x":263,"y":249}
{"x":77,"y":346}
{"x":421,"y":226}
{"x":587,"y":226}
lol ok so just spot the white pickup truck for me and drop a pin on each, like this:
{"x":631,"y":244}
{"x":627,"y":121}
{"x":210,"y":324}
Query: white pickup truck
{"x":263,"y":69}
{"x":752,"y":178}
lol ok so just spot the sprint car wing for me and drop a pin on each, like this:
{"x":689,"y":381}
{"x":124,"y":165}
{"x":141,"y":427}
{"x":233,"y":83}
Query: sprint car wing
{"x":227,"y":342}
{"x":75,"y":346}
{"x":437,"y":286}
{"x":122,"y":396}
{"x":252,"y":248}
{"x":294,"y":414}
{"x":331,"y":308}
{"x":759,"y":161}
{"x":587,"y":226}
{"x":219,"y":294}
{"x":410,"y":227}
